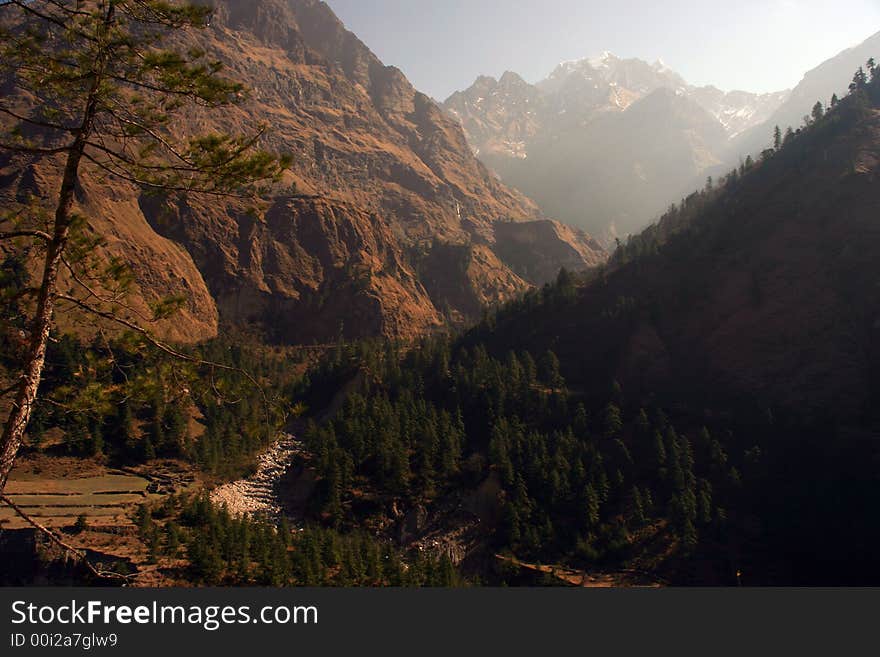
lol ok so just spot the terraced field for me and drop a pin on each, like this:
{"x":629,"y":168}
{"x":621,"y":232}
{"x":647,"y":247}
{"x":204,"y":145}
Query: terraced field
{"x":106,"y":500}
{"x":56,"y":490}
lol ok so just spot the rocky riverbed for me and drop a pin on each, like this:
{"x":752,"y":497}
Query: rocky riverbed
{"x":258,"y":496}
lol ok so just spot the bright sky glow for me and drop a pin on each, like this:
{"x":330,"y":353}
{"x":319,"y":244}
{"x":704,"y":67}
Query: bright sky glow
{"x":754,"y":45}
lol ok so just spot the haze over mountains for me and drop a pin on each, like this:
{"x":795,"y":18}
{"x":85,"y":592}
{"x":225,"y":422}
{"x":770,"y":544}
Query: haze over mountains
{"x":607,"y":144}
{"x":394,"y":227}
{"x":603,"y":143}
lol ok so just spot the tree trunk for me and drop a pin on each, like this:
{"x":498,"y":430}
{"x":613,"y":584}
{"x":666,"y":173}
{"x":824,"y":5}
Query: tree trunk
{"x":32,"y":368}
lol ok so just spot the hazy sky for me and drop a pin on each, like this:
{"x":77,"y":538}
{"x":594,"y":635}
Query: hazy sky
{"x":755,"y":45}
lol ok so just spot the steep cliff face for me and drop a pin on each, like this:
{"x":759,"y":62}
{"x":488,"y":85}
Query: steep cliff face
{"x":357,"y":128}
{"x":390,"y":179}
{"x":304,"y":270}
{"x":381,"y":177}
{"x":160,"y":268}
{"x":535,"y":249}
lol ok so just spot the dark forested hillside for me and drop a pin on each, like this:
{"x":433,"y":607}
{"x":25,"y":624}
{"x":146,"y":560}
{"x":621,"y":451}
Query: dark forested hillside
{"x":702,"y":410}
{"x":763,"y":283}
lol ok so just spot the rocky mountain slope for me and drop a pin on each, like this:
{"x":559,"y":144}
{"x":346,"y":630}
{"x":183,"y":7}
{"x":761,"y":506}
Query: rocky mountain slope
{"x":568,"y":142}
{"x":384,"y":182}
{"x":160,"y":267}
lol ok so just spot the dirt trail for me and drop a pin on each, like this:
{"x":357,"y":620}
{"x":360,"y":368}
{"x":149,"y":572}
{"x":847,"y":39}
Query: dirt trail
{"x":583,"y":579}
{"x":257,"y":496}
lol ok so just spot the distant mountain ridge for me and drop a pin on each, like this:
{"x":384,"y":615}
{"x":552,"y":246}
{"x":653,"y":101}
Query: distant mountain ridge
{"x":631,"y":79}
{"x":516,"y":127}
{"x":819,"y":84}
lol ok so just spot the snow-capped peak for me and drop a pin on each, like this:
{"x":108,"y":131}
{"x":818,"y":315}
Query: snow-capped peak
{"x":600,"y":61}
{"x":661,"y":67}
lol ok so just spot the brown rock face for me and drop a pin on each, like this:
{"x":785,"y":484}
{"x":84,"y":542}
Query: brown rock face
{"x":160,"y":267}
{"x":386,"y":186}
{"x":536,"y":249}
{"x":394,"y":190}
{"x":305,"y":270}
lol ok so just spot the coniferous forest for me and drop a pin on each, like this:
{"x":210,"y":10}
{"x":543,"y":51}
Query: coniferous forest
{"x":697,"y":405}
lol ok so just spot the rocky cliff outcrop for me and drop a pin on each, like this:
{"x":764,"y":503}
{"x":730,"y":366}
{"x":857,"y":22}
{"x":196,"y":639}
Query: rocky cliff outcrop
{"x":381,"y":178}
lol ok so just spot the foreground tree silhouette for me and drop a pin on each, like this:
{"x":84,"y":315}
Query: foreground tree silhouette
{"x":88,"y":87}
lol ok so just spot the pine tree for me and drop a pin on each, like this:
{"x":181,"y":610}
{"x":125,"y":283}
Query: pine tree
{"x":860,"y":79}
{"x":81,"y":524}
{"x":148,"y":450}
{"x":91,"y":84}
{"x":566,"y":285}
{"x":612,"y":421}
{"x":659,"y":449}
{"x":581,"y":421}
{"x":124,"y":428}
{"x":777,"y":138}
{"x":512,"y":525}
{"x":97,"y":434}
{"x":637,"y":505}
{"x":549,"y":370}
{"x":593,"y":507}
{"x":175,"y":429}
{"x":643,"y":425}
{"x":704,"y":502}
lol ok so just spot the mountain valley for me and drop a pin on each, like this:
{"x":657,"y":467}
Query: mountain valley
{"x":593,"y":331}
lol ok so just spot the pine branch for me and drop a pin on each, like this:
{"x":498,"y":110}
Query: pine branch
{"x":96,"y":295}
{"x":190,"y":94}
{"x":40,"y":124}
{"x":190,"y":167}
{"x":162,"y":141}
{"x":34,"y":150}
{"x":65,"y":8}
{"x":49,"y":18}
{"x":38,"y":234}
{"x":165,"y":187}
